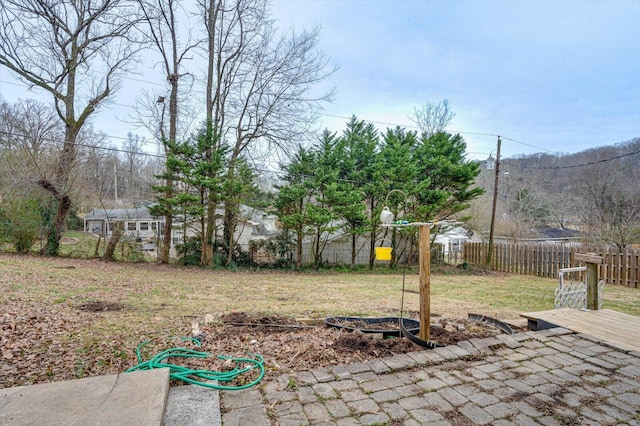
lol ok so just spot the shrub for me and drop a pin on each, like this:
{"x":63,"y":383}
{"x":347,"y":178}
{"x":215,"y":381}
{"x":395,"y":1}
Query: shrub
{"x":190,"y":252}
{"x":20,"y":224}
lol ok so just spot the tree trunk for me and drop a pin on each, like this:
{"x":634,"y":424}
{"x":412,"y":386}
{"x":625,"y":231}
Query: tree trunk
{"x":173,"y":131}
{"x":63,"y":169}
{"x":113,"y":242}
{"x":353,"y":250}
{"x":214,"y":119}
{"x":231,"y":206}
{"x":166,"y":238}
{"x":317,"y":256}
{"x":64,"y":207}
{"x":210,"y":230}
{"x":230,"y":223}
{"x":300,"y":236}
{"x":372,"y":237}
{"x":97,"y":250}
{"x":212,"y":202}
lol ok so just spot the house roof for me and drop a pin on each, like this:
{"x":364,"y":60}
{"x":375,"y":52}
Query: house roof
{"x":558,"y":232}
{"x":119,"y":214}
{"x":251,"y":215}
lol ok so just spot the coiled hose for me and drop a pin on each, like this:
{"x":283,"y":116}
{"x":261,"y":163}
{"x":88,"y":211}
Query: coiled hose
{"x":200,"y":377}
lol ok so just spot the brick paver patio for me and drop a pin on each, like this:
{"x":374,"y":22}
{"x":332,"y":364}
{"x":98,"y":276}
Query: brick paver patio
{"x":549,"y":377}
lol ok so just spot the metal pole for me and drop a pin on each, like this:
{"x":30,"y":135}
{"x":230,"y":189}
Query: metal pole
{"x":493,"y":209}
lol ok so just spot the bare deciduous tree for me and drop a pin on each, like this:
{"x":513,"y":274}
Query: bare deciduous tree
{"x":230,"y":27}
{"x":76,"y":51}
{"x":259,"y":87}
{"x":611,"y":205}
{"x":134,"y":163}
{"x":30,"y":134}
{"x":162,"y":30}
{"x":432,"y":118}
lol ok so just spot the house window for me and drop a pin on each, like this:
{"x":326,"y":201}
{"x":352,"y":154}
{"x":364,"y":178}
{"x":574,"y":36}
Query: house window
{"x":144,"y":226}
{"x":457,"y":244}
{"x":131,"y":226}
{"x":154,"y":226}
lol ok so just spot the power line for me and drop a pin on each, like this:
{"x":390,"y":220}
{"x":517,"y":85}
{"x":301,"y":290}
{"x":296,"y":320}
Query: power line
{"x":412,"y":126}
{"x":526,"y":144}
{"x":12,"y":83}
{"x":282,"y":173}
{"x":463,"y":132}
{"x":385,"y":123}
{"x":590,"y":163}
{"x":125,"y":151}
{"x":105,"y":148}
{"x":146,"y":154}
{"x":128,"y":78}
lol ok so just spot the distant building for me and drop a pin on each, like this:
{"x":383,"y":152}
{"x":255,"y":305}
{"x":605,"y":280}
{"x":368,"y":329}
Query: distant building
{"x":140,"y":225}
{"x":138,"y":222}
{"x":453,"y":239}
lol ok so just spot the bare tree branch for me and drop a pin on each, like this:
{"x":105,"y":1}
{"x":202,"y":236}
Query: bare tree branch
{"x":76,"y":51}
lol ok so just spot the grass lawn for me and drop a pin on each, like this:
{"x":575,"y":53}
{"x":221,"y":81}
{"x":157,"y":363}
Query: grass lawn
{"x":48,"y":334}
{"x":172,"y":292}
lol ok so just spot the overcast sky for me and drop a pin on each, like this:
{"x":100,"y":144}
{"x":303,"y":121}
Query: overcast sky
{"x":562,"y":76}
{"x":556,"y":76}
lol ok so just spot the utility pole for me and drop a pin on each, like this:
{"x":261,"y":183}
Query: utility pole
{"x":115,"y":181}
{"x":493,"y":209}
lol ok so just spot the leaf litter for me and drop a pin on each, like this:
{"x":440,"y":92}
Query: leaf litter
{"x":48,"y":343}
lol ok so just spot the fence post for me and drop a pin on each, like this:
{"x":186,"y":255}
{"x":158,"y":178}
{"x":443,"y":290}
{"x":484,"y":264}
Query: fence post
{"x":425,"y":282}
{"x":592,"y":262}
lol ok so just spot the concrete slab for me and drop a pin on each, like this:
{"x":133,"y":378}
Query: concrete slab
{"x":136,"y":398}
{"x":193,"y":405}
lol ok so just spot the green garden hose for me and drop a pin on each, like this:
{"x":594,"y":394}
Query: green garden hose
{"x":198,"y":377}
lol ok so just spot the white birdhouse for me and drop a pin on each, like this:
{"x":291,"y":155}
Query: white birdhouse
{"x":386,"y":217}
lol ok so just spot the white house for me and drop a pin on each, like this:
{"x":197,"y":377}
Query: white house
{"x":141,"y":225}
{"x":453,"y":239}
{"x":138,"y":222}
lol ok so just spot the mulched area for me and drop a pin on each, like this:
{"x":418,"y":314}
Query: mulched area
{"x":289,"y":345}
{"x":43,"y":344}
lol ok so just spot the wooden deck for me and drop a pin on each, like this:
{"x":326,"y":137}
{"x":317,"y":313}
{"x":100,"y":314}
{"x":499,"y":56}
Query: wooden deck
{"x":615,"y":328}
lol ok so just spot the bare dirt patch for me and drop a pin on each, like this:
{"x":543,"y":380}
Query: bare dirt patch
{"x":100,"y":306}
{"x":69,"y":240}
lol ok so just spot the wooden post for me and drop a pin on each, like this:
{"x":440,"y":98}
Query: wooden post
{"x":592,"y":262}
{"x":425,"y":282}
{"x":493,"y":209}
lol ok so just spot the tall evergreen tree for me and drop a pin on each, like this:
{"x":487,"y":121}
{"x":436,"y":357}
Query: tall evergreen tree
{"x":323,"y":181}
{"x":445,"y":177}
{"x":359,"y":192}
{"x":195,"y":174}
{"x":344,"y":182}
{"x":399,"y":174}
{"x":293,"y":198}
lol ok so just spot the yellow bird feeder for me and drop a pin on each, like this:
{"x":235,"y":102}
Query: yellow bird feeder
{"x":383,"y":253}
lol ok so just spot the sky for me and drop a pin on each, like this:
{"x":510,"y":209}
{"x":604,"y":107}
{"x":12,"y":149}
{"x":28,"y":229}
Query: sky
{"x":547,"y":76}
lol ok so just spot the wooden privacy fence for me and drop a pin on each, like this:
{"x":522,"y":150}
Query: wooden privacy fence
{"x":620,"y":267}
